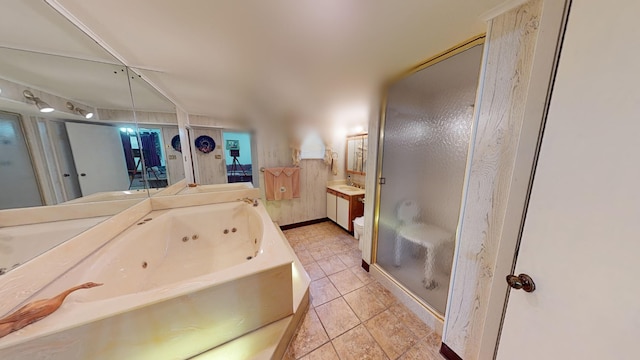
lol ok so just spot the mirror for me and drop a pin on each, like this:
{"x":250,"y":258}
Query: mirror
{"x":64,"y":154}
{"x":158,"y":133}
{"x":63,"y":157}
{"x":357,"y":154}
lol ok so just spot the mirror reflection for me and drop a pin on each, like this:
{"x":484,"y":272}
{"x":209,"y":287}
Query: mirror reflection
{"x":64,"y":101}
{"x":159,"y":141}
{"x":357,"y":154}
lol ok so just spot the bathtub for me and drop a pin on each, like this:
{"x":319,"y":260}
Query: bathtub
{"x":179,"y":282}
{"x":19,"y":244}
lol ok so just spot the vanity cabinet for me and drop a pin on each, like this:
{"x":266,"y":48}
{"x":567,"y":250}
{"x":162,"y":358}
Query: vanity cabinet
{"x":343,"y":208}
{"x":331,"y":205}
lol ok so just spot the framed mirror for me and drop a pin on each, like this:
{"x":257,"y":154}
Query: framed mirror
{"x":356,"y":159}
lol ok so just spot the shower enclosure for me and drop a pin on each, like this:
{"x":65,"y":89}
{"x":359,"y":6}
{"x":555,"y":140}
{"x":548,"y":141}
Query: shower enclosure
{"x":425,"y":135}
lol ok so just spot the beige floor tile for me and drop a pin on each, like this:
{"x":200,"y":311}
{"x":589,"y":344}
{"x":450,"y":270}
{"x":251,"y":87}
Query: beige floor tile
{"x":324,"y":352}
{"x":345,"y":281}
{"x":314,"y":271}
{"x":421,"y":351}
{"x":410,"y":320}
{"x":298,"y":247}
{"x":305,"y":257}
{"x":358,"y":344}
{"x":381,"y":293}
{"x":331,"y":265}
{"x":338,"y":246}
{"x":337,"y":317}
{"x":319,"y":251}
{"x":362,"y":274}
{"x":351,"y":258}
{"x":390,"y":333}
{"x":322,"y":290}
{"x":310,"y":335}
{"x":389,"y":329}
{"x":433,"y":341}
{"x":363,"y":302}
{"x":349,"y":240}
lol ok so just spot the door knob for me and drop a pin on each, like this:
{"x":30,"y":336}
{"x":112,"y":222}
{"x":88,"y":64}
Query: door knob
{"x":66,"y":175}
{"x":522,"y":281}
{"x":83,"y":174}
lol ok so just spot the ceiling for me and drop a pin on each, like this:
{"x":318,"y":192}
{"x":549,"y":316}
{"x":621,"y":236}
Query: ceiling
{"x":41,"y":49}
{"x":306,"y":59}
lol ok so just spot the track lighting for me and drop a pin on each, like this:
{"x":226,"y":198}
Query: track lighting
{"x":43,"y":106}
{"x":77,"y":110}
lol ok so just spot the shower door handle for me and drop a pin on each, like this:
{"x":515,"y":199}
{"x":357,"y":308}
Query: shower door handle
{"x":522,"y":281}
{"x":66,"y":175}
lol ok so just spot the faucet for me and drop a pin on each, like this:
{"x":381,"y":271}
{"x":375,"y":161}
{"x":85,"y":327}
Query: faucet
{"x":253,"y":202}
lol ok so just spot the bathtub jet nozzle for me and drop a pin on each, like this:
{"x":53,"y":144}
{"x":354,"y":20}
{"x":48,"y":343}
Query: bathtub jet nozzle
{"x":253,"y":202}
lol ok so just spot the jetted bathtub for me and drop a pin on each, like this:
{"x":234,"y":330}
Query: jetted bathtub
{"x":21,"y":243}
{"x":177,"y":283}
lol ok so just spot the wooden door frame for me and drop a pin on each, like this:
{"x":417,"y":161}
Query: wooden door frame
{"x":521,"y":56}
{"x":552,"y":27}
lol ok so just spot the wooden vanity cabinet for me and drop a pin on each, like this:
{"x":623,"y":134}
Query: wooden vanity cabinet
{"x":343,"y":208}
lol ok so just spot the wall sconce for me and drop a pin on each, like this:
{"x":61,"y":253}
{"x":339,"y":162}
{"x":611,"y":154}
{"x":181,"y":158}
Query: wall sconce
{"x":77,"y":110}
{"x":43,"y":106}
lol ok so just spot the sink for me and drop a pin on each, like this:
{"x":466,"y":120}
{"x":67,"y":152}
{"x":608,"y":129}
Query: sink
{"x":349,"y":188}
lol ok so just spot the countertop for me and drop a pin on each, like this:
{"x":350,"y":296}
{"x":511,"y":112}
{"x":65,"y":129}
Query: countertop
{"x":346,"y":189}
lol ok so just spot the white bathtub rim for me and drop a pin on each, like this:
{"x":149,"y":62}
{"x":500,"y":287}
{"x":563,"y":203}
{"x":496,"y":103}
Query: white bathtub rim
{"x":96,"y":310}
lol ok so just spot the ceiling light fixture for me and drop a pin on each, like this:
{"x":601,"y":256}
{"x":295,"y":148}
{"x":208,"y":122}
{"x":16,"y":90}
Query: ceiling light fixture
{"x":77,"y":110}
{"x":43,"y":106}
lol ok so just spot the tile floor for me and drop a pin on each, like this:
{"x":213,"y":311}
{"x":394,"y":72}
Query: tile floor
{"x":351,"y":316}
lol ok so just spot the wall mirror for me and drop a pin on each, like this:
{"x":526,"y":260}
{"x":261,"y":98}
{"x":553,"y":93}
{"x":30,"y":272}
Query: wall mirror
{"x":158,"y":134}
{"x":59,"y":162}
{"x":356,"y":159}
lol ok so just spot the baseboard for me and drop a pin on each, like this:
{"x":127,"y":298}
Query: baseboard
{"x":304,"y":223}
{"x":448,"y":353}
{"x":365,"y":265}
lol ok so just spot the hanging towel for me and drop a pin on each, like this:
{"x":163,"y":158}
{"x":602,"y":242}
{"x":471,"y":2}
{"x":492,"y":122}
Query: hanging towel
{"x":282,"y":183}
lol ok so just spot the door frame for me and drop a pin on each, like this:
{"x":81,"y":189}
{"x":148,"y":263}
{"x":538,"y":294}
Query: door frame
{"x":401,"y":289}
{"x":553,"y":22}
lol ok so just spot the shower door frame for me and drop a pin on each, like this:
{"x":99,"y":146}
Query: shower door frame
{"x":465,"y":45}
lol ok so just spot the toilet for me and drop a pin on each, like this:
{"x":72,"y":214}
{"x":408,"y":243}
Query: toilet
{"x":431,"y":237}
{"x":358,"y":230}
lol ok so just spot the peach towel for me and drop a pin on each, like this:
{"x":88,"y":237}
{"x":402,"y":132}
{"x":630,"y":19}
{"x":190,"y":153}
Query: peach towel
{"x":282,"y":183}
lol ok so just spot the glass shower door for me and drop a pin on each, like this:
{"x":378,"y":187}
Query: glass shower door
{"x":427,"y":130}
